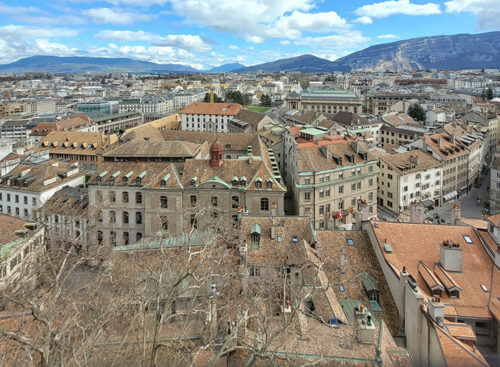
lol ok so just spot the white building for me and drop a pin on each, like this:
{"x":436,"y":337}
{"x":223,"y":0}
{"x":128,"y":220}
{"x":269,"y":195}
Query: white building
{"x":152,"y":105}
{"x":209,"y":117}
{"x":28,"y":186}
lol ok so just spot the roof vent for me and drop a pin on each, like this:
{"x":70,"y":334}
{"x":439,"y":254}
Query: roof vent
{"x":295,"y":238}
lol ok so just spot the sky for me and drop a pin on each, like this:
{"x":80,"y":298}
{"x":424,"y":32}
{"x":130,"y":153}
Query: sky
{"x":208,"y":33}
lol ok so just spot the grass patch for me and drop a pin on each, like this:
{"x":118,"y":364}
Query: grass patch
{"x":260,"y":109}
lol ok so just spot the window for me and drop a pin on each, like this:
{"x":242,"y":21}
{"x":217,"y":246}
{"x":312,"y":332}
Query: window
{"x":112,"y":196}
{"x":264,"y":204}
{"x":341,"y":204}
{"x":17,"y":211}
{"x":8,"y":198}
{"x":467,"y":239}
{"x":138,"y":236}
{"x":307,"y":180}
{"x":321,"y":194}
{"x":341,"y":189}
{"x":359,"y":185}
{"x":193,"y":199}
{"x":235,"y":202}
{"x":164,"y":202}
{"x":353,"y":187}
{"x":25,"y":212}
{"x":164,"y":223}
{"x":194,"y":221}
{"x":307,"y":196}
{"x":125,"y":238}
{"x":125,"y":217}
{"x":138,"y":198}
{"x":269,"y":185}
{"x":389,"y":176}
{"x":213,"y":201}
{"x":255,"y":241}
{"x":327,"y":193}
{"x":25,"y":200}
{"x":253,"y":271}
{"x":112,"y":217}
{"x":125,"y":197}
{"x":17,"y":198}
{"x":370,"y":182}
{"x":370,"y":196}
{"x":258,"y":184}
{"x":321,"y":210}
{"x":138,"y":218}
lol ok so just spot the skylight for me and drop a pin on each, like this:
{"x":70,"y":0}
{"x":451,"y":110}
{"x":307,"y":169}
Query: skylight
{"x":467,"y":239}
{"x":350,"y":241}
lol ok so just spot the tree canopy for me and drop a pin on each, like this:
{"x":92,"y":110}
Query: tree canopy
{"x":416,"y":112}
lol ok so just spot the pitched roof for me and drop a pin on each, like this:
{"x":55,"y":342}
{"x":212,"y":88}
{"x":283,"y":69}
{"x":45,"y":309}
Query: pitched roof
{"x":202,"y":108}
{"x":75,"y":122}
{"x":415,"y":243}
{"x":400,"y":119}
{"x":349,"y":118}
{"x":140,"y":148}
{"x":402,"y":164}
{"x":250,"y":117}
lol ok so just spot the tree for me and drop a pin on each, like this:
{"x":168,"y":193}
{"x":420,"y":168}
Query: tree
{"x":489,"y":94}
{"x":483,"y":94}
{"x":235,"y":97}
{"x":265,"y":100}
{"x":416,"y":112}
{"x":217,"y":99}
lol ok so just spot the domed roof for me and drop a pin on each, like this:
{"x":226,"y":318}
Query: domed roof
{"x":217,"y":146}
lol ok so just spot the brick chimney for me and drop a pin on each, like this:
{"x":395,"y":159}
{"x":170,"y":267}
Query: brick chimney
{"x":456,"y":214}
{"x":450,"y":256}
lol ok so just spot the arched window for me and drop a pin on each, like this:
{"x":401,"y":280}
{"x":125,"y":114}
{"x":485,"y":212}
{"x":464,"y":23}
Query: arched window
{"x":258,"y":184}
{"x":264,"y":204}
{"x":269,"y":184}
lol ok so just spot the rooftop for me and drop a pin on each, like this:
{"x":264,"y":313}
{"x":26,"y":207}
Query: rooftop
{"x":202,"y":108}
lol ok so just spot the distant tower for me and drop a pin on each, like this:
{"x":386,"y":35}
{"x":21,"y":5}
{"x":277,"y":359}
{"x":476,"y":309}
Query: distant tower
{"x":212,"y":98}
{"x":216,"y":154}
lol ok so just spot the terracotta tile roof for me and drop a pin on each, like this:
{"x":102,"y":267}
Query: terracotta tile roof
{"x":9,"y":226}
{"x":400,"y":119}
{"x":412,"y":243}
{"x":73,"y":123}
{"x":168,"y":122}
{"x":349,"y":118}
{"x":148,"y":133}
{"x":228,"y":140}
{"x":150,"y":174}
{"x":401,"y":163}
{"x":476,"y":223}
{"x":40,"y":177}
{"x":460,"y":330}
{"x":250,"y":117}
{"x":313,"y":158}
{"x":360,"y":258}
{"x":140,"y":148}
{"x":429,"y":277}
{"x":458,"y":354}
{"x":494,"y":219}
{"x":448,"y":149}
{"x":202,"y":108}
{"x":76,"y":142}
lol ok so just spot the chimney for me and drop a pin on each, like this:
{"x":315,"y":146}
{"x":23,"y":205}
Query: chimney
{"x":365,"y":325}
{"x":273,"y":229}
{"x":436,"y":310}
{"x":250,"y":159}
{"x":439,"y":143}
{"x":274,"y":209}
{"x":455,"y":214}
{"x":243,"y":269}
{"x":414,"y":159}
{"x":450,"y":256}
{"x":417,"y":212}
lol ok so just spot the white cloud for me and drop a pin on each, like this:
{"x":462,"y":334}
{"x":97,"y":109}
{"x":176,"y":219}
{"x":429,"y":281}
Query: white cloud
{"x":21,"y":41}
{"x":487,"y":11}
{"x":234,"y":47}
{"x":364,"y":20}
{"x":16,"y":10}
{"x":387,"y":8}
{"x":285,"y":42}
{"x":388,"y":37}
{"x":255,"y":20}
{"x":336,"y":41}
{"x":182,"y":41}
{"x":114,"y":16}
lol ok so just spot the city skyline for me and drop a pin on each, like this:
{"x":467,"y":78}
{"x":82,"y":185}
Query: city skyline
{"x":204,"y":34}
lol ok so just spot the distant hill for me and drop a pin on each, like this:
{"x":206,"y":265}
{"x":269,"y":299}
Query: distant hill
{"x":461,"y":51}
{"x":226,"y":68}
{"x":303,"y":64}
{"x":55,"y":64}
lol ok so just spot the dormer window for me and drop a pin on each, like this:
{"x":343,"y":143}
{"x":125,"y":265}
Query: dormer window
{"x":125,"y":180}
{"x":243,"y":181}
{"x":138,"y":181}
{"x":163,"y":183}
{"x":269,"y":184}
{"x":255,"y":233}
{"x":235,"y":181}
{"x":258,"y":185}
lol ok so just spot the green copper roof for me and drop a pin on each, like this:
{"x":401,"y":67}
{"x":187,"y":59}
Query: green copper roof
{"x":256,"y":228}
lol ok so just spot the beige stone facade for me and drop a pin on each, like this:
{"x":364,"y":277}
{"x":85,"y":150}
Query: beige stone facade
{"x":325,"y":101}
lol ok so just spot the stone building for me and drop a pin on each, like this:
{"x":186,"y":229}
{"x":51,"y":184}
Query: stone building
{"x":406,"y":177}
{"x":495,"y":185}
{"x":130,"y":201}
{"x":324,"y":100}
{"x":209,"y":117}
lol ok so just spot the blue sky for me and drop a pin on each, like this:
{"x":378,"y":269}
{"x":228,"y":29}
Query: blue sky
{"x":207,"y":33}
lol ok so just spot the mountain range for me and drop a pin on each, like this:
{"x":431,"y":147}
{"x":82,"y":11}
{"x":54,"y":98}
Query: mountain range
{"x":461,"y":51}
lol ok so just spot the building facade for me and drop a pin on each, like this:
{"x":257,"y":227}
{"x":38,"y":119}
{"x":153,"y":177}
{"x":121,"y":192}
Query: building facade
{"x":324,"y":100}
{"x":208,"y":117}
